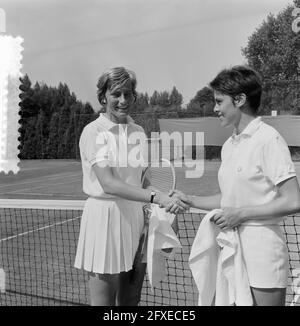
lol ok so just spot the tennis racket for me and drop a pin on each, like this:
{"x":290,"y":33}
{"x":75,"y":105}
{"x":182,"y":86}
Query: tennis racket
{"x":159,"y":176}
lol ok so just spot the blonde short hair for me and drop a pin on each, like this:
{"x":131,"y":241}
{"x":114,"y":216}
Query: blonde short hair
{"x":112,"y":78}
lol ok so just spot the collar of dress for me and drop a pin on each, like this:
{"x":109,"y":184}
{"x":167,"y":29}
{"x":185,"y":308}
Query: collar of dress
{"x":109,"y":125}
{"x":249,"y":131}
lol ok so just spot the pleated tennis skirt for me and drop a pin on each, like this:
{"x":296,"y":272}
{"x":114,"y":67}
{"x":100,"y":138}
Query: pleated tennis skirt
{"x":266,"y":255}
{"x":109,"y":235}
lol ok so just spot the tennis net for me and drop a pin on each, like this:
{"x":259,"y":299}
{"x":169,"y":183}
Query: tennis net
{"x":37,"y":251}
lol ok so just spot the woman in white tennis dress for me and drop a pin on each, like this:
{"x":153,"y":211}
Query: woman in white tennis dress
{"x":112,"y":219}
{"x":258,"y":184}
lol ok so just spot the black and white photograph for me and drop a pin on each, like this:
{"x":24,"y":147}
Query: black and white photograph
{"x":149,"y":155}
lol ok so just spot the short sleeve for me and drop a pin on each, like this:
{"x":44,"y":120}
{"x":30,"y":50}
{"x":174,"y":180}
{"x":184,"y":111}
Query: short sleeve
{"x":277,"y":162}
{"x":94,"y":146}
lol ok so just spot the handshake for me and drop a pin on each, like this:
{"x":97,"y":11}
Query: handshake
{"x":175,"y":201}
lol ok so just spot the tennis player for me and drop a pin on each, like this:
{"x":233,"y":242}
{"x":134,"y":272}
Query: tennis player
{"x":258,"y":184}
{"x":113,"y":219}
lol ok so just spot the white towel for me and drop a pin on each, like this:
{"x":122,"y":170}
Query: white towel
{"x":160,"y":236}
{"x":217,"y":266}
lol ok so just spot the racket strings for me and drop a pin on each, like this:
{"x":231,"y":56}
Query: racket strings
{"x":161,"y":178}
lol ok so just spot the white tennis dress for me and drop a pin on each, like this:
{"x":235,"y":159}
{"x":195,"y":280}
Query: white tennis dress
{"x":253,"y":163}
{"x":110,"y":226}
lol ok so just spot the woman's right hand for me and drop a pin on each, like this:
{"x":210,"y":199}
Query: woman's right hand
{"x":182,"y":196}
{"x":174,"y":204}
{"x":186,"y":199}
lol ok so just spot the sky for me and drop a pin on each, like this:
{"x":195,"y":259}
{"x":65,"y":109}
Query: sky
{"x":181,"y":43}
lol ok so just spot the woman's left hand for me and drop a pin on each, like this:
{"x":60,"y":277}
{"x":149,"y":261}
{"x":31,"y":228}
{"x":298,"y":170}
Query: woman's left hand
{"x":228,"y":218}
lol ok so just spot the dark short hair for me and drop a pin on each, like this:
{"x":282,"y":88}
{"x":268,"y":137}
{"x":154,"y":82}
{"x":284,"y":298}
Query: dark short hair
{"x":113,"y":77}
{"x":238,"y":80}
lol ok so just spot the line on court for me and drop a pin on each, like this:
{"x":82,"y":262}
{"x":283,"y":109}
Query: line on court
{"x":39,"y":229}
{"x":40,"y":194}
{"x":45,"y":178}
{"x":48,"y":165}
{"x":43,"y":186}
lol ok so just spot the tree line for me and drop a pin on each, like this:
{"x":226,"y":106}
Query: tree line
{"x":51,"y":120}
